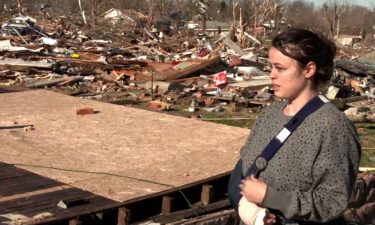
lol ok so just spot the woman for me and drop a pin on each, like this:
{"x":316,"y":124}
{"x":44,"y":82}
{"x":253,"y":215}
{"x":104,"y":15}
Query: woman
{"x":310,"y":178}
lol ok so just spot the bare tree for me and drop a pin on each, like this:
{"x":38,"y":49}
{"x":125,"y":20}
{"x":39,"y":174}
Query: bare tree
{"x":19,"y":6}
{"x":82,"y":11}
{"x":95,"y":7}
{"x":304,"y":14}
{"x":233,"y":28}
{"x":151,"y":13}
{"x":361,"y":24}
{"x":332,"y":14}
{"x":202,"y":6}
{"x":267,"y":11}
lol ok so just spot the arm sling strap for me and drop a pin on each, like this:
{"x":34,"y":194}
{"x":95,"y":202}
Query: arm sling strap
{"x":260,"y":163}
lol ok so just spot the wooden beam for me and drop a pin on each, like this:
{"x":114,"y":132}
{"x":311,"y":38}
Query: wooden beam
{"x":167,"y":205}
{"x":44,"y":83}
{"x":206,"y":195}
{"x":222,"y":217}
{"x":123,"y":217}
{"x":179,"y":215}
{"x":75,"y":222}
{"x":33,"y":193}
{"x":99,"y":215}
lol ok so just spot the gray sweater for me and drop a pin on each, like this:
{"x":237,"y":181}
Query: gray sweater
{"x":311,"y":176}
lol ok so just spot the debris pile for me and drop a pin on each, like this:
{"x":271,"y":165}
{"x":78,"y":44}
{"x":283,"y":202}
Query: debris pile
{"x":154,"y":71}
{"x":182,"y":70}
{"x":354,"y":82}
{"x":361,"y":208}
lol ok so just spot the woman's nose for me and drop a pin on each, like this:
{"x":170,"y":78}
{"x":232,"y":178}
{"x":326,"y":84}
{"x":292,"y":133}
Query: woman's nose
{"x":273,"y":74}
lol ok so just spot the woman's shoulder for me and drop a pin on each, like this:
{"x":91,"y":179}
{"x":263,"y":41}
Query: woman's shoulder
{"x":274,"y":107}
{"x":329,"y":111}
{"x":330,"y":116}
{"x":268,"y":115}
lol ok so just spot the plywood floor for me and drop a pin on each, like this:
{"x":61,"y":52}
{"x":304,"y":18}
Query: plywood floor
{"x":163,"y":149}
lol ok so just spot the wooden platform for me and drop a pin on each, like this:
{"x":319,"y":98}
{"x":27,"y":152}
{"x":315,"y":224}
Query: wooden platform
{"x":28,"y":194}
{"x":107,"y":153}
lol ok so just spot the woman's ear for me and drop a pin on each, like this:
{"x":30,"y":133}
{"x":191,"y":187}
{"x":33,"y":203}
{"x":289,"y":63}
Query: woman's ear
{"x":310,"y":69}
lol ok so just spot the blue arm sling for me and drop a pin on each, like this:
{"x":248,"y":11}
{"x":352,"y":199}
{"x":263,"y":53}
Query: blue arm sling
{"x":260,"y":163}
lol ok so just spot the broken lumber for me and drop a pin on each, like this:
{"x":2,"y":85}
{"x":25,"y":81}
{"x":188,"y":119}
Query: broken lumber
{"x":172,"y":74}
{"x":47,"y":83}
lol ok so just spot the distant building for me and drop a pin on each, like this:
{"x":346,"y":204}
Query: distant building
{"x":117,"y":15}
{"x":348,"y":40}
{"x":212,"y":26}
{"x":192,"y":24}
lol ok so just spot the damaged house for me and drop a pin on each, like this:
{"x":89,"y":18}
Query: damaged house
{"x":355,"y":79}
{"x":348,"y":40}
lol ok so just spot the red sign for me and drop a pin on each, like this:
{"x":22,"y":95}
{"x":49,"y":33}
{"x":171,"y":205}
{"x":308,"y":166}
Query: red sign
{"x":220,"y":79}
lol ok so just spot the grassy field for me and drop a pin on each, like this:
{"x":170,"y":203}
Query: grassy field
{"x":367,"y":136}
{"x":246,"y":118}
{"x":366,"y":131}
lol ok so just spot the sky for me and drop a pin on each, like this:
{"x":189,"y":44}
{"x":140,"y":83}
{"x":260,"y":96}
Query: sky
{"x":367,"y":3}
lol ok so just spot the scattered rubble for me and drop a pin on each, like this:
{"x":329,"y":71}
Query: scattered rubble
{"x":354,"y":81}
{"x":166,"y":72}
{"x":361,"y":208}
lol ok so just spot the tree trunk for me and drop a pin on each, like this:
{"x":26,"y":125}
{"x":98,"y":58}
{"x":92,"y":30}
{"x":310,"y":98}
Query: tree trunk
{"x":19,"y":7}
{"x":82,"y":12}
{"x":242,"y":27}
{"x":204,"y":23}
{"x":151,"y":15}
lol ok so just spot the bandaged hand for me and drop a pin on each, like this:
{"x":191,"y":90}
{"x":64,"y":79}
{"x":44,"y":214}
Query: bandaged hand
{"x":251,"y":214}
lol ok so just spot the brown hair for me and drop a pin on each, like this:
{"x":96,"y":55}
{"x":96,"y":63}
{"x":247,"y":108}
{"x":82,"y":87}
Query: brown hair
{"x":306,"y":46}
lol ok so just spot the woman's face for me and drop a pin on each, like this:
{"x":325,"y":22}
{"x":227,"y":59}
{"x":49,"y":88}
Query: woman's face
{"x":288,"y":79}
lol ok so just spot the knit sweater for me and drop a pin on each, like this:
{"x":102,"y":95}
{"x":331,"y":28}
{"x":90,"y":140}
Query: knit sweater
{"x":311,"y":176}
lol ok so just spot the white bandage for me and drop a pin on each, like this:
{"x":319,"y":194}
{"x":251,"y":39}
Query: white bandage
{"x":250,"y":213}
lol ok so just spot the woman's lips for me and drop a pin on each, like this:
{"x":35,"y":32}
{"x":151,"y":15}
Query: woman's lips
{"x":275,"y":87}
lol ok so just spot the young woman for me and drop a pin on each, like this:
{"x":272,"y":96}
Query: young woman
{"x":310,"y":178}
